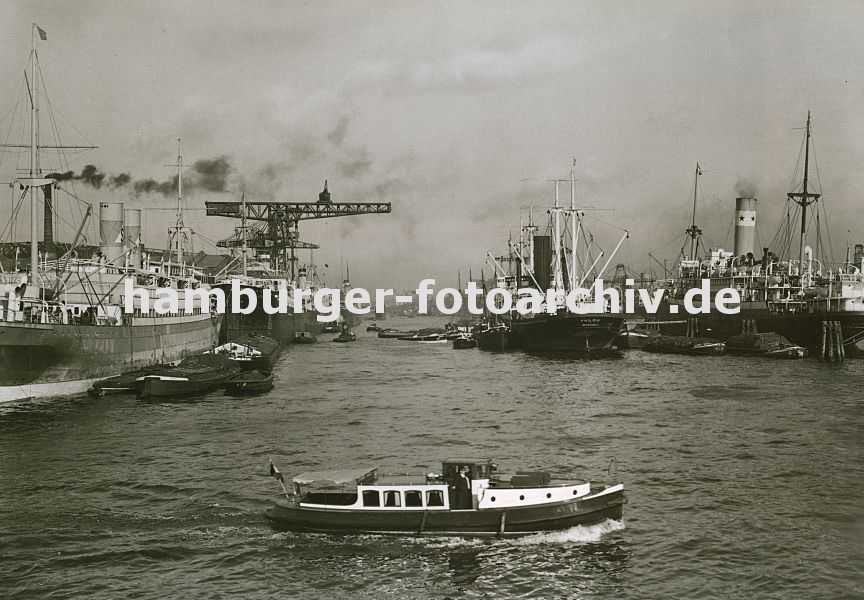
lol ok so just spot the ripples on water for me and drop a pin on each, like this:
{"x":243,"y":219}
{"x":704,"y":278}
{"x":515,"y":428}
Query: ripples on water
{"x":744,"y":479}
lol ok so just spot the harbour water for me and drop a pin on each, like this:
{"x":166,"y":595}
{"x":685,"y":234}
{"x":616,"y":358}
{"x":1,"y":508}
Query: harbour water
{"x":744,"y":478}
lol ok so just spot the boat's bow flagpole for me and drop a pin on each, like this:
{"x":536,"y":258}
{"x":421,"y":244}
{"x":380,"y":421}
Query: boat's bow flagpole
{"x":279,"y":477}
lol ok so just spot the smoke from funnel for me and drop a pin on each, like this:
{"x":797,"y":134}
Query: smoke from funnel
{"x":210,"y":175}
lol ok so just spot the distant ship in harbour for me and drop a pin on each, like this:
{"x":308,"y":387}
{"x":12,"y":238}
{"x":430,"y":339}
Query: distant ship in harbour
{"x":266,"y":273}
{"x":62,"y":323}
{"x":555,"y":262}
{"x":274,"y":238}
{"x":794,"y":296}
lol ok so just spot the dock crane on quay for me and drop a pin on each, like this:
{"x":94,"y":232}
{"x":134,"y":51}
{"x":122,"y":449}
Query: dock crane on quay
{"x":276,"y":232}
{"x":280,"y":220}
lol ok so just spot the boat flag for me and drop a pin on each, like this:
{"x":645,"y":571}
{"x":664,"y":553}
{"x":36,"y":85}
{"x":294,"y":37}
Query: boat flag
{"x":281,"y":478}
{"x":42,"y":35}
{"x":276,"y":473}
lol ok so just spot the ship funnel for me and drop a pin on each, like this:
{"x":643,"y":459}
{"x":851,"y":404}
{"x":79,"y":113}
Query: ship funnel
{"x":132,"y":236}
{"x":745,"y":225}
{"x":48,"y":216}
{"x":543,"y":261}
{"x":111,"y":231}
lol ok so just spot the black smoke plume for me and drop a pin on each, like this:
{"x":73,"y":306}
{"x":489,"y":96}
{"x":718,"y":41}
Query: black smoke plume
{"x":118,"y":181}
{"x":92,"y":176}
{"x":210,"y":175}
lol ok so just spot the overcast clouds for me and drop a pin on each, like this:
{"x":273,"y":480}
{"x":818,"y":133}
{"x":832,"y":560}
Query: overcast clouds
{"x":459,"y":114}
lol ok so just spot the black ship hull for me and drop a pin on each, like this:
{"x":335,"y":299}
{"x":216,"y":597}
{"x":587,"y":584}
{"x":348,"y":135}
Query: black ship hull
{"x":41,"y":360}
{"x":281,"y":327}
{"x":802,"y":329}
{"x":495,"y":340}
{"x":567,"y":332}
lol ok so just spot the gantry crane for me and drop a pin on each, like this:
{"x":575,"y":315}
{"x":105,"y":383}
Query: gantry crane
{"x":278,"y":229}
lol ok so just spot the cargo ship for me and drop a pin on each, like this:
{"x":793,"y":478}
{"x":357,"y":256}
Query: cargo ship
{"x":556,"y":264}
{"x":62,"y":318}
{"x":793,"y":296}
{"x":265,"y":275}
{"x":273,"y":240}
{"x":283,"y":327}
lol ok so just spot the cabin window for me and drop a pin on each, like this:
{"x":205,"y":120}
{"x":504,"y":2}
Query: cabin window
{"x":434,"y":498}
{"x":371,"y":498}
{"x":413,"y":498}
{"x":392,"y":498}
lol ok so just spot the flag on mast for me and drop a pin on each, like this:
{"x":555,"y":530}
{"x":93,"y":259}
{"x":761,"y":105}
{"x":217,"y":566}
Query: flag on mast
{"x":276,"y":473}
{"x":42,"y":35}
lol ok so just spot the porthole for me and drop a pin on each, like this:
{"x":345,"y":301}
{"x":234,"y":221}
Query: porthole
{"x":548,"y":495}
{"x":575,"y":492}
{"x":521,"y":497}
{"x":492,"y":498}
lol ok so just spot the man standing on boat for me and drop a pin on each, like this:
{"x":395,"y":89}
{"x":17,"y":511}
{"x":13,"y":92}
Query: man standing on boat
{"x":462,"y":497}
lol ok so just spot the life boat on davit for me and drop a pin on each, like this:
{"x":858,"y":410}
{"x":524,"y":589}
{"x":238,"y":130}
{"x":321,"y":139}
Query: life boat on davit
{"x":466,"y":498}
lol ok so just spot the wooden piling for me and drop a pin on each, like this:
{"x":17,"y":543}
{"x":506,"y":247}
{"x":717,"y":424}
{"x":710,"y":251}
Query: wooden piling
{"x":842,"y":350}
{"x":823,"y":352}
{"x":831,"y":341}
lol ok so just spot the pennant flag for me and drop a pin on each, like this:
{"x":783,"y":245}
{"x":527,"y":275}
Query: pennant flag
{"x":42,"y":35}
{"x":275,"y":472}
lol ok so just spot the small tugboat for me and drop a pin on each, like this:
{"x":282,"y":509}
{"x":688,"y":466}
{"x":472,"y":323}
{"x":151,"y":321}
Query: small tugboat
{"x":346,"y":336}
{"x":373,"y":327}
{"x":194,"y":375}
{"x":252,"y":351}
{"x":679,"y":344}
{"x":468,"y":498}
{"x":464,"y":341}
{"x":249,"y":382}
{"x":772,"y":345}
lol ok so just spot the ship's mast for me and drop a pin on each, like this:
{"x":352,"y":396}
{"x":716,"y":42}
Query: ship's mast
{"x":178,"y":233}
{"x":804,"y":198}
{"x":34,"y":163}
{"x":694,"y":232}
{"x":243,"y":234}
{"x":559,"y":283}
{"x":34,"y":178}
{"x":179,"y":202}
{"x":531,"y":231}
{"x":574,"y":233}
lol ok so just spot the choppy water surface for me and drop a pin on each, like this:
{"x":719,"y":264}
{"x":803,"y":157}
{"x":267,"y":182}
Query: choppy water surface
{"x":744,"y":479}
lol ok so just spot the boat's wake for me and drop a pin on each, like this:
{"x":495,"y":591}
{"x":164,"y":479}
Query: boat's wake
{"x":580,"y":533}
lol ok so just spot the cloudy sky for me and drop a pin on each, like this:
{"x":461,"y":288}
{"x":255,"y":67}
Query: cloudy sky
{"x":457,"y":113}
